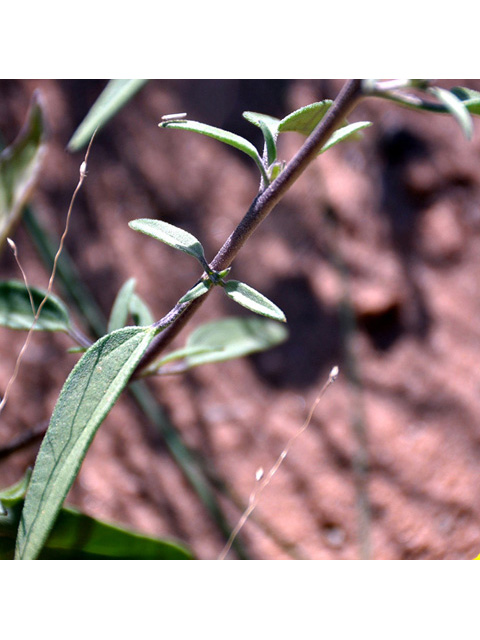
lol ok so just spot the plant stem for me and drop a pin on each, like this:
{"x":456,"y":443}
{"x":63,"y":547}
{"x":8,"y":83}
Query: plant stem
{"x":262,"y":205}
{"x":92,"y":316}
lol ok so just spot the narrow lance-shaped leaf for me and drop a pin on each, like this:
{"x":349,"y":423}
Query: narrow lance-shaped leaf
{"x":16,"y":310}
{"x":232,"y":139}
{"x":128,"y":303}
{"x":115,"y":95}
{"x":171,"y":235}
{"x":195,"y":292}
{"x":227,"y":137}
{"x":251,"y":299}
{"x":348,"y":131}
{"x":89,"y":393}
{"x":20,"y":165}
{"x":205,"y":284}
{"x":121,"y":306}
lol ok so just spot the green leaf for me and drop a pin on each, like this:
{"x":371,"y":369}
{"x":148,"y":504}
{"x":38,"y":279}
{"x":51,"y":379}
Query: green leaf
{"x":195,"y":292}
{"x":469,"y":97}
{"x":305,"y":120}
{"x":77,"y":349}
{"x":275,"y":170}
{"x":121,"y":306}
{"x":20,"y":165}
{"x":140,"y":312}
{"x":89,"y":393}
{"x":270,"y":144}
{"x":232,"y":139}
{"x":171,"y":235}
{"x":115,"y":95}
{"x":178,"y":354}
{"x":77,"y":536}
{"x":233,"y":338}
{"x":128,"y":303}
{"x":224,"y":339}
{"x":457,"y":109}
{"x":13,"y":494}
{"x":16,"y":311}
{"x":269,"y":127}
{"x":251,"y":299}
{"x":261,"y":118}
{"x":349,"y":131}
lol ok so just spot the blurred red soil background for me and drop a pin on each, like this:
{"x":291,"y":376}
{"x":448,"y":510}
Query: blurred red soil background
{"x":374,"y":256}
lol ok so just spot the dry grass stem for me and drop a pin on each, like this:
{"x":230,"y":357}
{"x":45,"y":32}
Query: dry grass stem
{"x":262,"y":479}
{"x":83,"y":174}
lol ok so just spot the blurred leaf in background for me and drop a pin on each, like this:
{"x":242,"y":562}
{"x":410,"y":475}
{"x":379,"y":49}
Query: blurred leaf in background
{"x":20,"y":165}
{"x":115,"y":95}
{"x":16,"y":308}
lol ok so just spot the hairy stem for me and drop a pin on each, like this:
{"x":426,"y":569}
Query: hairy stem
{"x":263,"y":204}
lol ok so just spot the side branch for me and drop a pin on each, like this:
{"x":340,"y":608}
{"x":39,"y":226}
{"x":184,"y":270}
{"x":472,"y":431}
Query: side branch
{"x":258,"y":211}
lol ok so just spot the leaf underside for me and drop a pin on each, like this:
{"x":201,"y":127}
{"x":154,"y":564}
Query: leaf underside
{"x":171,"y":235}
{"x":251,"y":299}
